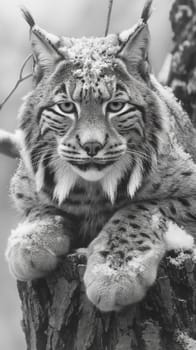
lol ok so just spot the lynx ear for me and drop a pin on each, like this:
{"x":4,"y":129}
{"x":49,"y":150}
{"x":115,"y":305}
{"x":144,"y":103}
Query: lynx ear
{"x":135,"y":42}
{"x":44,"y":45}
{"x":136,"y":46}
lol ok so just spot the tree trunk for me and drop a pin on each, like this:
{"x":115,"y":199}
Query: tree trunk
{"x":56,"y":312}
{"x":58,"y":316}
{"x":183,"y":68}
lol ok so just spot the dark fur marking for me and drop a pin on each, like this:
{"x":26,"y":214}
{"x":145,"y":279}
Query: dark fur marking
{"x":78,"y":190}
{"x":134,"y":225}
{"x":152,"y":202}
{"x":24,"y":124}
{"x":74,"y":218}
{"x":157,"y":124}
{"x":186,"y":173}
{"x":142,"y":207}
{"x":129,"y":258}
{"x":155,"y":234}
{"x":156,"y":186}
{"x":24,"y":178}
{"x":104,"y":253}
{"x":147,"y":164}
{"x":153,"y":142}
{"x":144,"y":248}
{"x":120,"y":253}
{"x":132,"y":235}
{"x":28,"y":137}
{"x":130,"y":249}
{"x":36,"y":156}
{"x":116,"y":221}
{"x":132,"y":217}
{"x":191,"y":216}
{"x":122,"y":229}
{"x":39,"y":114}
{"x":140,"y":241}
{"x":172,"y":208}
{"x":184,"y":202}
{"x":19,"y":195}
{"x":70,"y":201}
{"x":123,"y":241}
{"x":128,"y":129}
{"x":34,"y":159}
{"x":27,"y":211}
{"x":162,"y":211}
{"x":174,"y":190}
{"x":145,"y":235}
{"x":49,"y":180}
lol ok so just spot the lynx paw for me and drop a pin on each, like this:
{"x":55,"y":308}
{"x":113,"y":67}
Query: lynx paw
{"x":32,"y":254}
{"x":114,"y":281}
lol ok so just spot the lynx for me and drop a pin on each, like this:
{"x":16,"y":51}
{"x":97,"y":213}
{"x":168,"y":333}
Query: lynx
{"x":107,"y":164}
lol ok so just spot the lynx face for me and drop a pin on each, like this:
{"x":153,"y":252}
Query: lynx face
{"x":87,"y":118}
{"x":92,"y":110}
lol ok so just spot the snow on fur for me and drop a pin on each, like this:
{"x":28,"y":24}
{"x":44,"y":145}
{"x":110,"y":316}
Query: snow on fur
{"x":177,"y":238}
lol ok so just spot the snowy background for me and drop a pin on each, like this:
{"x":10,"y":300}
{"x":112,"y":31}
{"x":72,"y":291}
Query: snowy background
{"x":68,"y":18}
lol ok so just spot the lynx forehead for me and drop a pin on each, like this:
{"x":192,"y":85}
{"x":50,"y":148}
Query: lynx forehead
{"x":92,"y":56}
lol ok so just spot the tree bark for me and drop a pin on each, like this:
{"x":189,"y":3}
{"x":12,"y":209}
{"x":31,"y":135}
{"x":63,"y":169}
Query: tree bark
{"x":183,"y":68}
{"x":56,"y":312}
{"x":58,"y":316}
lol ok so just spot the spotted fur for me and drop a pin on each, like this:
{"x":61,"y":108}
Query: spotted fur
{"x":107,"y":163}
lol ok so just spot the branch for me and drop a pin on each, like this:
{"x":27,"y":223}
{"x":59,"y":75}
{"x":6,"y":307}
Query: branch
{"x":20,"y":80}
{"x":108,"y":17}
{"x":9,"y":144}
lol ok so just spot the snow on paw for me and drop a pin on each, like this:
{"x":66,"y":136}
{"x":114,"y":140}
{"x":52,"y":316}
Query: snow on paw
{"x":31,"y":255}
{"x":112,"y":283}
{"x":27,"y":263}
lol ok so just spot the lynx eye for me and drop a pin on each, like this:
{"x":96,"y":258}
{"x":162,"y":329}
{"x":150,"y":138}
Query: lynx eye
{"x":67,"y":107}
{"x":115,"y":106}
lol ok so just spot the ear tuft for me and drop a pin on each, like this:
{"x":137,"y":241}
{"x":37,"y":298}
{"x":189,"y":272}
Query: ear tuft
{"x":44,"y":45}
{"x":134,"y":44}
{"x":147,"y":11}
{"x":28,"y":17}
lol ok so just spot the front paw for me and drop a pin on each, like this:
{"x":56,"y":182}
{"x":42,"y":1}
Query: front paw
{"x":115,"y":280}
{"x":33,"y":254}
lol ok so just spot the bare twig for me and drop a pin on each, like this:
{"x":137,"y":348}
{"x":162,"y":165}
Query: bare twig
{"x":20,"y":80}
{"x":108,"y":17}
{"x":9,"y":144}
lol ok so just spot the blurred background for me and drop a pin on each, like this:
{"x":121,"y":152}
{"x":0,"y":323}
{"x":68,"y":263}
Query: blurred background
{"x":68,"y":18}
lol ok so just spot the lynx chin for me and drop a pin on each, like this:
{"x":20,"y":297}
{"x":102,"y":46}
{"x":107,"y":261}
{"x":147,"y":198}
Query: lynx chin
{"x":107,"y":163}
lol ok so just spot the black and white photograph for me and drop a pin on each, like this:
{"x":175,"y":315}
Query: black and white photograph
{"x":98,"y":175}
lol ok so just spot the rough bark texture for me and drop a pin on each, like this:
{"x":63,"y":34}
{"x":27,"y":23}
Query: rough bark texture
{"x":58,"y":316}
{"x":56,"y":312}
{"x":183,"y":69}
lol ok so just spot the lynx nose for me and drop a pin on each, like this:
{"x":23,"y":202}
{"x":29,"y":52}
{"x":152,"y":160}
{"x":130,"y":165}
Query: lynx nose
{"x":92,"y":148}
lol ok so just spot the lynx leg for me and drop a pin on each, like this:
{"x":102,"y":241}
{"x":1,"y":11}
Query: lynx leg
{"x":123,"y":261}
